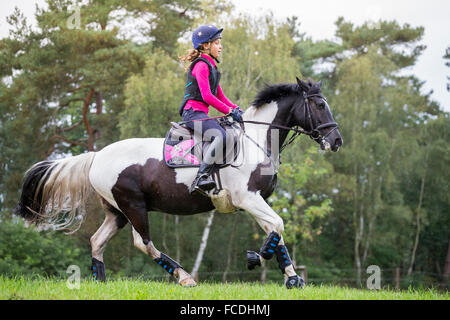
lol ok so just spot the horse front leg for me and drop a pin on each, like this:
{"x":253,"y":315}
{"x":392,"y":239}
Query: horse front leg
{"x":274,"y":245}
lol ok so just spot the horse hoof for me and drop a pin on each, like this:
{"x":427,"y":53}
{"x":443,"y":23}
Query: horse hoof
{"x":188,"y":282}
{"x":253,"y":260}
{"x":295,"y":282}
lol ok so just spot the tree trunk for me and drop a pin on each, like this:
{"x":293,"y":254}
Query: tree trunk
{"x":294,"y":253}
{"x":367,"y":244}
{"x":358,"y":221}
{"x":164,"y":233}
{"x":397,"y":278}
{"x":201,"y":250}
{"x":416,"y":241}
{"x":356,"y":252}
{"x":263,"y":272}
{"x":99,"y":103}
{"x":90,"y":132}
{"x":371,"y":212}
{"x":446,"y":273}
{"x":229,"y":250}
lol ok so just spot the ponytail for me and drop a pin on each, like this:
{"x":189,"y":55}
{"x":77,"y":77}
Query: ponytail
{"x":191,"y":55}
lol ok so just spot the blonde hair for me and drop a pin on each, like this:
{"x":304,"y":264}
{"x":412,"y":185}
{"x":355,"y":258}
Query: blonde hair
{"x":192,"y":54}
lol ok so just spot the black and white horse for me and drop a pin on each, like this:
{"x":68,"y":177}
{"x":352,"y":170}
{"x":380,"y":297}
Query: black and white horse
{"x":131,"y":179}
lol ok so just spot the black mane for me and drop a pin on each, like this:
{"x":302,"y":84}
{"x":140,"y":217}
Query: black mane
{"x":275,"y":93}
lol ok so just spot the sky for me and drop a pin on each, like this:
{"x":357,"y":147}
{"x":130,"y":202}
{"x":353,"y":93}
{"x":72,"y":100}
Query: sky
{"x":317,"y":21}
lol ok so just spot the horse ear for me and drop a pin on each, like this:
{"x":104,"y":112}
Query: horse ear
{"x":302,"y":84}
{"x":320,"y":83}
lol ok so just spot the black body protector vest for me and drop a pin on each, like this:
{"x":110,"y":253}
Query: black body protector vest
{"x":192,"y":91}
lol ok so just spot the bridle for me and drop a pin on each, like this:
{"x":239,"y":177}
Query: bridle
{"x":314,"y":132}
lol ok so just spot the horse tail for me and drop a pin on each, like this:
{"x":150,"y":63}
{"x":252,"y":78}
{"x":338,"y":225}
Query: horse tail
{"x":54,"y":193}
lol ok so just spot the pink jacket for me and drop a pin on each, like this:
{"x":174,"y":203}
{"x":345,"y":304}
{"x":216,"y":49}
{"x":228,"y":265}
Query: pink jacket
{"x":220,"y":101}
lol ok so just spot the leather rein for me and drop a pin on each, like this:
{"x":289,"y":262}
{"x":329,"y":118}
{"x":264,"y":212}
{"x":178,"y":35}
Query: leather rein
{"x":314,"y":133}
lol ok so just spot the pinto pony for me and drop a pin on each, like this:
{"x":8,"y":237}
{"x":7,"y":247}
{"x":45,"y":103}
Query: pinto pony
{"x":131,"y":179}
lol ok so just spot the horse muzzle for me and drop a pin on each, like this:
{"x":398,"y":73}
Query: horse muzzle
{"x":327,"y":146}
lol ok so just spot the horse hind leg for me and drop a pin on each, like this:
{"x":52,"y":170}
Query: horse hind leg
{"x":167,"y":263}
{"x":114,"y":221}
{"x":132,"y":202}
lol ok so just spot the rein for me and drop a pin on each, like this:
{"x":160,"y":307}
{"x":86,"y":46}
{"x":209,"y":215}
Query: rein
{"x":314,"y":133}
{"x":219,"y":117}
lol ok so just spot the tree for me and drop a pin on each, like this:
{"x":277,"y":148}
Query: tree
{"x":303,"y":212}
{"x":152,"y":98}
{"x":55,"y":75}
{"x":201,"y":250}
{"x":256,"y":52}
{"x":447,"y":57}
{"x":427,"y":189}
{"x":378,"y":113}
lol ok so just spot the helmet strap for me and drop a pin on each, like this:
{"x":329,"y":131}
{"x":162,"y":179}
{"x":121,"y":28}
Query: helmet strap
{"x":217,"y":60}
{"x":209,"y":53}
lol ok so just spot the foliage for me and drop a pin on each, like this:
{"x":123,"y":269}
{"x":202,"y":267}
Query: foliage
{"x":255,"y":52}
{"x":152,"y":98}
{"x":302,"y":213}
{"x":66,"y":90}
{"x":24,"y":251}
{"x":56,"y":74}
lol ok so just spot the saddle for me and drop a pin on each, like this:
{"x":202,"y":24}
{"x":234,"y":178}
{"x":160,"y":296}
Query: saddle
{"x":183,"y":148}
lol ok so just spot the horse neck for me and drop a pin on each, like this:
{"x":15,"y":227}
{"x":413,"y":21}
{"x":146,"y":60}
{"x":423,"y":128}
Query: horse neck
{"x":262,"y":134}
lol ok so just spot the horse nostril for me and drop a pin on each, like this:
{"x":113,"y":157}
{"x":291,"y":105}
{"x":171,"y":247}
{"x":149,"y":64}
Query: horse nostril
{"x":338,"y":142}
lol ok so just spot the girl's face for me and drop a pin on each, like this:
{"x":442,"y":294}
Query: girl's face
{"x":215,"y":48}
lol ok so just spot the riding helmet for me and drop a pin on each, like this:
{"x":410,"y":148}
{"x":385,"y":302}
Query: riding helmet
{"x":205,"y":33}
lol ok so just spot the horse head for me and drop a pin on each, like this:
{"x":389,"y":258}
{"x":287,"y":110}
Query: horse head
{"x":313,"y":114}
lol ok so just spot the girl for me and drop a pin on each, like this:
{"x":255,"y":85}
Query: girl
{"x":202,"y":90}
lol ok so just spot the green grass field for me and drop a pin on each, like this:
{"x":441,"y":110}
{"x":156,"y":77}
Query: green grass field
{"x":49,"y":289}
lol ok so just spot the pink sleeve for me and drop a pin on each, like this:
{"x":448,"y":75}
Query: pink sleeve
{"x":223,"y":98}
{"x":201,"y":73}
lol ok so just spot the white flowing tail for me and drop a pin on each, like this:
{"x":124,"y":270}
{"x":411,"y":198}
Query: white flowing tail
{"x":55,"y":192}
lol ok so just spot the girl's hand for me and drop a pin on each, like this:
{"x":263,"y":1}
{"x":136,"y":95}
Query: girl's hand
{"x":236,"y":114}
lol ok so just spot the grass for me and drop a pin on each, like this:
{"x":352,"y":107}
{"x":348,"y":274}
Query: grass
{"x":126,"y":289}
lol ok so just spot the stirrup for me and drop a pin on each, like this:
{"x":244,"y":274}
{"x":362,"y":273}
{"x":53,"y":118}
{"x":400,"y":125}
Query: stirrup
{"x":196,"y":187}
{"x":200,"y":191}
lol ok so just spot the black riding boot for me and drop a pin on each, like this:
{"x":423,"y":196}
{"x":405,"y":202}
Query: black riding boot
{"x":203,"y":181}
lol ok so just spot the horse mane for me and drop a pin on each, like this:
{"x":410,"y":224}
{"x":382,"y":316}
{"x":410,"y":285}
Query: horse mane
{"x":275,"y":92}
